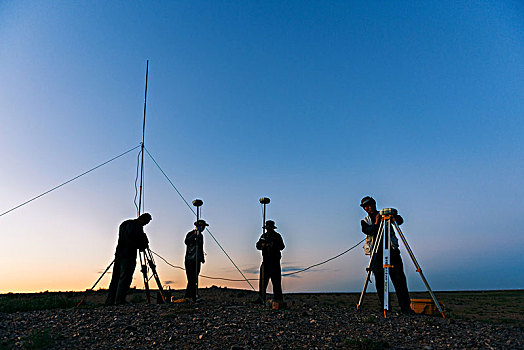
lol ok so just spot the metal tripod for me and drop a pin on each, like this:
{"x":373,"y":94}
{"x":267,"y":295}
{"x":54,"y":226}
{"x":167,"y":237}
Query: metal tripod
{"x":146,"y":258}
{"x":387,"y":225}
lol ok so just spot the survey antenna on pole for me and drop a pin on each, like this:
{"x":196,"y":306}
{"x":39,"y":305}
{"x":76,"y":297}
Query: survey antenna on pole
{"x":264,"y":201}
{"x":142,"y":148}
{"x":197,"y":203}
{"x":387,"y":227}
{"x":146,"y":257}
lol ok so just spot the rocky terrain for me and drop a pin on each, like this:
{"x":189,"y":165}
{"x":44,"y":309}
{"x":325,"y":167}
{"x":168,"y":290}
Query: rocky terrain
{"x":226,"y":319}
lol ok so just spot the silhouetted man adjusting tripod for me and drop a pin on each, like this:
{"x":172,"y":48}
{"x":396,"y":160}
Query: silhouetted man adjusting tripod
{"x":131,"y":237}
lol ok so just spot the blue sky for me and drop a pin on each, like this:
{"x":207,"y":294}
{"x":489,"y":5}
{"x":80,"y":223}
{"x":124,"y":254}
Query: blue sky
{"x":313,"y":104}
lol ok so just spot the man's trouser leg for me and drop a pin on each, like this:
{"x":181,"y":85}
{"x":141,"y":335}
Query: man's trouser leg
{"x":378,"y":272}
{"x":191,"y":281}
{"x":399,"y":281}
{"x":195,"y":280}
{"x":127,"y":268}
{"x":263,"y":280}
{"x":113,"y":286}
{"x":276,"y":280}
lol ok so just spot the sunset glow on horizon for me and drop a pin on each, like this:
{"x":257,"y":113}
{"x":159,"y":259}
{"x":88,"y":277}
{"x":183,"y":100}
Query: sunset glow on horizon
{"x":311,"y":104}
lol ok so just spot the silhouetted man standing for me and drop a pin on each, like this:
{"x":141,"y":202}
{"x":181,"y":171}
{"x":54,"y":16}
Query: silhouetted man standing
{"x":131,"y":237}
{"x":370,"y":226}
{"x":270,"y":243}
{"x":194,"y":257}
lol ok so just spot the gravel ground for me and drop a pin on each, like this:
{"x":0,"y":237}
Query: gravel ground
{"x":225,"y":319}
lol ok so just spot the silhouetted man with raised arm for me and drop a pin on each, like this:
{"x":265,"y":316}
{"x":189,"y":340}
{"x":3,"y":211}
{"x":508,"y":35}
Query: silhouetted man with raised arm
{"x":271,"y":245}
{"x":370,"y":226}
{"x":131,"y":237}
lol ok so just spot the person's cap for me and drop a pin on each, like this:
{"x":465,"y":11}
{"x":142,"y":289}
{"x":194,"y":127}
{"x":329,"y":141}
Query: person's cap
{"x":367,"y":200}
{"x":201,"y":223}
{"x":270,"y":224}
{"x":145,"y":216}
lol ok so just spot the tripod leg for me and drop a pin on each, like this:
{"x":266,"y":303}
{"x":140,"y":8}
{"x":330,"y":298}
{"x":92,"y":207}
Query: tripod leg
{"x":152,"y":265}
{"x":419,"y":269}
{"x":376,"y":244}
{"x":387,"y":262}
{"x":94,"y":285}
{"x":143,"y":269}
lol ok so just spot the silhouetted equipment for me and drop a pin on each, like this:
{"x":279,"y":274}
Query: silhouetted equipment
{"x":197,"y":203}
{"x":146,"y":257}
{"x":387,"y":224}
{"x":94,"y":285}
{"x":264,"y":200}
{"x":140,"y":204}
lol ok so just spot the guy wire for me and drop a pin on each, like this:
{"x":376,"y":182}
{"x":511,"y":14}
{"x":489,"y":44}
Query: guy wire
{"x":256,"y":279}
{"x":190,"y":208}
{"x":68,"y":181}
{"x":325,"y":261}
{"x":203,"y":276}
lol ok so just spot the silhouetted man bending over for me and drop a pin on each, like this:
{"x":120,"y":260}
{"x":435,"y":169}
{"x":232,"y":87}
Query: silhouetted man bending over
{"x":370,"y":225}
{"x":131,"y":237}
{"x":270,"y":243}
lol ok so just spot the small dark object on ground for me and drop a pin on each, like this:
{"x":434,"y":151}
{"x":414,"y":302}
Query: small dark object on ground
{"x":278,"y":305}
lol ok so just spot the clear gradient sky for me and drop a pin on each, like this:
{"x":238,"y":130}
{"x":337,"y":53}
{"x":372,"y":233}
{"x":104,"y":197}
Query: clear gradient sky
{"x":314,"y":104}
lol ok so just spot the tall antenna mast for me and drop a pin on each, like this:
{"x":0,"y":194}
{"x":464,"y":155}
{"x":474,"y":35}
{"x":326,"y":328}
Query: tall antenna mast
{"x":142,"y":146}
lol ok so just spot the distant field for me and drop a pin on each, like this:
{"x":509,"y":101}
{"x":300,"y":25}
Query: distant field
{"x":497,"y":307}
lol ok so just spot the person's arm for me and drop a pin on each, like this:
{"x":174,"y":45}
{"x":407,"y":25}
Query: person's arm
{"x":201,"y":248}
{"x":136,"y":235}
{"x":143,"y":242}
{"x":260,"y":243}
{"x":280,"y":243}
{"x":368,"y":230}
{"x":190,"y":238}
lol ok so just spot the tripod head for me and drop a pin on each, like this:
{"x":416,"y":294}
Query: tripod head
{"x":388,"y":211}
